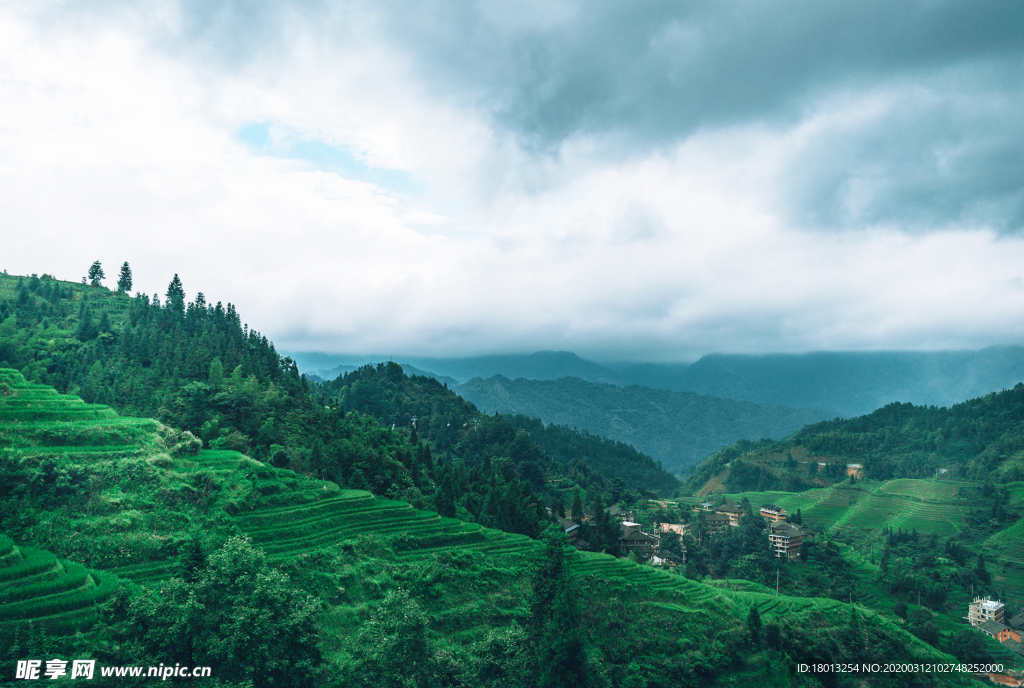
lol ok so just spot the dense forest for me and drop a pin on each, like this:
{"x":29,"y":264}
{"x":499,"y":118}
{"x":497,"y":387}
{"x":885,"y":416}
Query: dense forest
{"x":678,"y":429}
{"x":979,"y":439}
{"x":197,"y":367}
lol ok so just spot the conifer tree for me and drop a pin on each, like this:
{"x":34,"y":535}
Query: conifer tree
{"x":577,"y":508}
{"x":174,"y":289}
{"x":96,"y":274}
{"x":754,"y":626}
{"x":124,"y":280}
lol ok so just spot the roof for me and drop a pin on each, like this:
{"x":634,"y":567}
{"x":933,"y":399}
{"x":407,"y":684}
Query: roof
{"x":1017,"y":621}
{"x":771,"y":507}
{"x":629,"y":523}
{"x":637,"y":536}
{"x":1014,"y":646}
{"x":786,"y":529}
{"x":986,"y":603}
{"x":716,"y":518}
{"x":574,"y":526}
{"x":729,"y":509}
{"x":992,"y":627}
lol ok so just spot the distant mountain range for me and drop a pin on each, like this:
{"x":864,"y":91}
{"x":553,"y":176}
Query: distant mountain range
{"x":844,"y":383}
{"x":680,"y":413}
{"x":680,"y":429}
{"x":851,"y":384}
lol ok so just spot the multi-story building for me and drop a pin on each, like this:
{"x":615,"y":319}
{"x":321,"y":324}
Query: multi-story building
{"x":773,"y":513}
{"x":786,"y":539}
{"x":983,"y":609}
{"x":732,"y":510}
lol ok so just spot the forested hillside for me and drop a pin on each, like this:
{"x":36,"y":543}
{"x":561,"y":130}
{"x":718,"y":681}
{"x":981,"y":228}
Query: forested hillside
{"x":303,"y":578}
{"x":981,"y":439}
{"x":324,"y":586}
{"x":455,"y":426}
{"x":678,"y":429}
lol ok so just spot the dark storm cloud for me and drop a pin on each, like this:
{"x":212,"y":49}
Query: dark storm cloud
{"x":642,"y":76}
{"x":647,"y":75}
{"x":660,"y":70}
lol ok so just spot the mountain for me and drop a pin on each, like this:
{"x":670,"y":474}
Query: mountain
{"x":848,"y":383}
{"x":302,"y":581}
{"x":843,"y":383}
{"x":980,"y":439}
{"x":456,"y":427}
{"x":679,"y":429}
{"x":542,"y":365}
{"x":327,"y":585}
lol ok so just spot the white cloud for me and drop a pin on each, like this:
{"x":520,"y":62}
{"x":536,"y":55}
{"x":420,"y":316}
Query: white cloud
{"x":118,"y":142}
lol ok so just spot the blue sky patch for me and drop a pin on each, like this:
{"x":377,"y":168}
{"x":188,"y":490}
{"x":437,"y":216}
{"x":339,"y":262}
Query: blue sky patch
{"x":323,"y":156}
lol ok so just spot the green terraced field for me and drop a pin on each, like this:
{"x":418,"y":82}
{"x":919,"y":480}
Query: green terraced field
{"x":292,"y":517}
{"x":929,"y":490}
{"x":60,"y":596}
{"x":929,"y":506}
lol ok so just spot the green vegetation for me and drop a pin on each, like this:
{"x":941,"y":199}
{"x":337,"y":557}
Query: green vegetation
{"x":302,"y":577}
{"x":678,"y":429}
{"x":57,"y":596}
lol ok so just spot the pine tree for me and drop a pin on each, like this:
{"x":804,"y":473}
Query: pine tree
{"x":96,"y":274}
{"x":577,"y":509}
{"x":174,"y":289}
{"x":124,"y":280}
{"x":754,"y":626}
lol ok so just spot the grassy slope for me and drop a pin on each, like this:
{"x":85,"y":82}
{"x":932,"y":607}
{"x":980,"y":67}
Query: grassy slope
{"x":861,"y":510}
{"x":347,"y":545}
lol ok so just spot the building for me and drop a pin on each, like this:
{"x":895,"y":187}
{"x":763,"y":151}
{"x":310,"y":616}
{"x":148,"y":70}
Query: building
{"x":628,"y":527}
{"x":732,"y":510}
{"x":786,"y":539}
{"x":707,"y":506}
{"x":773,"y":513}
{"x":716,"y":522}
{"x":680,"y":529}
{"x":641,"y":544}
{"x":1002,"y":633}
{"x":983,"y":609}
{"x":616,"y":511}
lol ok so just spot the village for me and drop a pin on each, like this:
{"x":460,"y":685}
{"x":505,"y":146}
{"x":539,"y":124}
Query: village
{"x":786,"y":536}
{"x":645,"y":545}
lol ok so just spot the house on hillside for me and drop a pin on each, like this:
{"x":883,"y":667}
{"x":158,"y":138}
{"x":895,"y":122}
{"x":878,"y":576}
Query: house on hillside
{"x":716,"y":522}
{"x":705,"y":506}
{"x":680,"y":529}
{"x":616,"y":511}
{"x":983,"y":609}
{"x":668,"y":559}
{"x":773,"y":513}
{"x":641,"y":544}
{"x":1002,"y":633}
{"x":785,"y":539}
{"x":732,"y":510}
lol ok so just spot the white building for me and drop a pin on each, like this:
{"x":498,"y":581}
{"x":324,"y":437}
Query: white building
{"x":983,"y":609}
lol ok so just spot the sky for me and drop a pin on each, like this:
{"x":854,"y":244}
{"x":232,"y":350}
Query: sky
{"x":628,"y":180}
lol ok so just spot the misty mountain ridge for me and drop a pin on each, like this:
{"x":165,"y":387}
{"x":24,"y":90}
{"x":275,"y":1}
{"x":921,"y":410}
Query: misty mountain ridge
{"x":679,"y":429}
{"x":844,"y":383}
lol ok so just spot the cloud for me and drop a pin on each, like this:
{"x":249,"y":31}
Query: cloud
{"x":625,"y":180}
